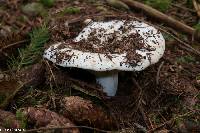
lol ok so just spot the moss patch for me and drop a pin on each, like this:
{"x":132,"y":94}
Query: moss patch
{"x":161,"y":5}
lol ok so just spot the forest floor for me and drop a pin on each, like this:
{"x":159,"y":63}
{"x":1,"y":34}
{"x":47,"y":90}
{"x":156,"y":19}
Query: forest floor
{"x":35,"y":93}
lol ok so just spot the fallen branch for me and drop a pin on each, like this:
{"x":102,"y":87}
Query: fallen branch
{"x":183,"y":8}
{"x":185,"y":45}
{"x":158,"y":73}
{"x":164,"y":18}
{"x":67,"y":127}
{"x":13,"y":44}
{"x":196,"y":7}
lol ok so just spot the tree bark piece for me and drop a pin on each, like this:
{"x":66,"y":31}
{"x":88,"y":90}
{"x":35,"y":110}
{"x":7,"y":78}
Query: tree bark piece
{"x":164,"y":18}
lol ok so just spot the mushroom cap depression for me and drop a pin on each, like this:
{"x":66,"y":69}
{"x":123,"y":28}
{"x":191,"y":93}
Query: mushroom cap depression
{"x":126,"y":45}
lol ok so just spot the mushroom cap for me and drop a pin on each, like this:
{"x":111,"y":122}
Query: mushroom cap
{"x":152,"y":50}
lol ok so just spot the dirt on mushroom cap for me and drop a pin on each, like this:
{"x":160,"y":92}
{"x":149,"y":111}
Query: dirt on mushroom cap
{"x":118,"y":42}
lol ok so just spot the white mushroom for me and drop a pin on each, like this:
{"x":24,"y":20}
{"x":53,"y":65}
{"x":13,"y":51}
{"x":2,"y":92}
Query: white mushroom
{"x":140,"y":45}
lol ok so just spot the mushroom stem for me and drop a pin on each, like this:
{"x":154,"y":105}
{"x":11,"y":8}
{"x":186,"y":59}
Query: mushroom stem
{"x":108,"y":80}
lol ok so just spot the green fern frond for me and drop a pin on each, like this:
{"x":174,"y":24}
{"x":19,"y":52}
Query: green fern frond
{"x":32,"y":53}
{"x":38,"y":38}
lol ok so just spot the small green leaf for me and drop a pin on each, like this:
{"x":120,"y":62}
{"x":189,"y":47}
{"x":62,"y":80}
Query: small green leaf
{"x":48,"y":3}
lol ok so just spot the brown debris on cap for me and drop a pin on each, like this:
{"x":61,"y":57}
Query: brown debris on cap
{"x":126,"y":45}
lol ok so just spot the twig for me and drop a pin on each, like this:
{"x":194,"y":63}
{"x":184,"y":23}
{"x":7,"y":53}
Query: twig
{"x":10,"y":45}
{"x":184,"y":8}
{"x":158,"y":72}
{"x":187,"y":46}
{"x":13,"y":44}
{"x":162,"y":17}
{"x":53,"y":76}
{"x":139,"y":106}
{"x":80,"y":85}
{"x":197,"y":7}
{"x":139,"y":95}
{"x":68,"y":127}
{"x":145,"y":118}
{"x":87,"y":89}
{"x":8,"y":99}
